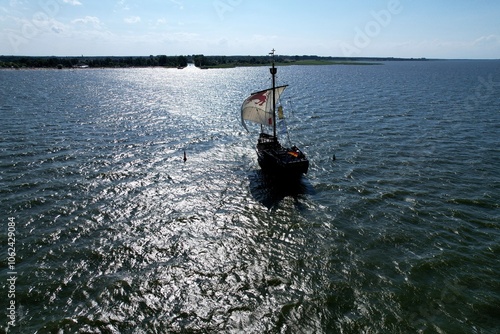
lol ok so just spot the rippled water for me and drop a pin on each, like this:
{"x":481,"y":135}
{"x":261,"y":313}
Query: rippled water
{"x":115,"y":234}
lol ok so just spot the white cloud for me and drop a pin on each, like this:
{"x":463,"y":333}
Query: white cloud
{"x":132,"y":19}
{"x":73,"y":2}
{"x":178,"y":3}
{"x":122,"y":5}
{"x":257,"y":39}
{"x":487,"y":40}
{"x":16,"y":3}
{"x":88,"y":20}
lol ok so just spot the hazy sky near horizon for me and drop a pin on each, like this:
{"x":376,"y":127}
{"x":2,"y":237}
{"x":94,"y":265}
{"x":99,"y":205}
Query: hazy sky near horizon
{"x":355,"y":28}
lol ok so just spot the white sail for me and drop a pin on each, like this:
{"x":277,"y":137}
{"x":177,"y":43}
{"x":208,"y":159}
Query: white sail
{"x":258,"y":107}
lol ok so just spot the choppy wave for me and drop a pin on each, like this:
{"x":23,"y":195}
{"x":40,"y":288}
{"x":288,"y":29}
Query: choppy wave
{"x":395,"y":228}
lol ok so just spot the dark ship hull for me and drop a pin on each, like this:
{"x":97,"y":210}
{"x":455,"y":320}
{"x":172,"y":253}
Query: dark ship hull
{"x":279,"y":161}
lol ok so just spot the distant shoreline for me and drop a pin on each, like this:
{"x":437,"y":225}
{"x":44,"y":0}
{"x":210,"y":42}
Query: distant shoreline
{"x":300,"y":63}
{"x":229,"y":66}
{"x":200,"y":61}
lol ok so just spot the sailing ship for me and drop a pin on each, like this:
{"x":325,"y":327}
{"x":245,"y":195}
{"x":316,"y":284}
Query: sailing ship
{"x":260,"y":108}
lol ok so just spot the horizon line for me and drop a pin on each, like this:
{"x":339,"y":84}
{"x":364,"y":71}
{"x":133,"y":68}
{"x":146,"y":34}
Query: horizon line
{"x":242,"y":55}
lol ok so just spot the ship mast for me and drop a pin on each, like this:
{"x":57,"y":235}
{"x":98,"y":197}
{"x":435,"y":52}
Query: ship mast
{"x":273,"y":73}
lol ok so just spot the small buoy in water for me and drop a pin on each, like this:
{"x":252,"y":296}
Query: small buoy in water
{"x":334,"y":158}
{"x":185,"y":158}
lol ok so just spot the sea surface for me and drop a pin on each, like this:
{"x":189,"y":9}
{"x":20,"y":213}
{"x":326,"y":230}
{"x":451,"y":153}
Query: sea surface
{"x":395,"y":229}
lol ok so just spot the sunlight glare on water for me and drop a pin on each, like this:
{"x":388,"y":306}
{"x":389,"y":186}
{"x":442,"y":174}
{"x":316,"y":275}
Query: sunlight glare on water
{"x":394,"y":229}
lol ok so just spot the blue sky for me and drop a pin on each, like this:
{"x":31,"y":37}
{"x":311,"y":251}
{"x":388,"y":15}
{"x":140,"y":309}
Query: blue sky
{"x":356,"y":28}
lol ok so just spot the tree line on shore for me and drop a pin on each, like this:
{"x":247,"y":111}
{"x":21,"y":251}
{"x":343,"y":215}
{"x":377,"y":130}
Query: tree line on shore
{"x":141,"y":61}
{"x":95,"y":62}
{"x":168,"y":61}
